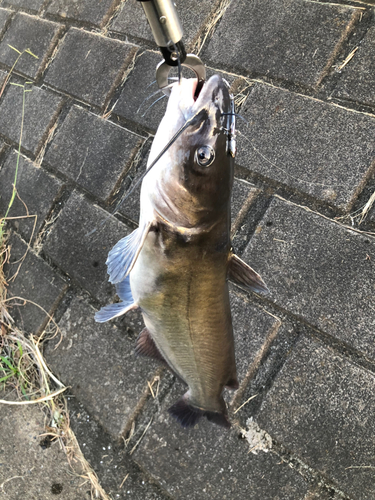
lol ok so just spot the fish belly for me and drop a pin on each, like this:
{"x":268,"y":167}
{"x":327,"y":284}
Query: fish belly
{"x":184,"y":299}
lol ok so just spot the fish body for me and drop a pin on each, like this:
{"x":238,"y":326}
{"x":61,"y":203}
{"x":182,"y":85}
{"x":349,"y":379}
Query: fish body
{"x":176,"y":264}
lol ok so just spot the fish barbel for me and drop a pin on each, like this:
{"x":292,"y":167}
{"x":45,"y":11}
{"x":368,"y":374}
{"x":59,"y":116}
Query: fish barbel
{"x":175,"y":266}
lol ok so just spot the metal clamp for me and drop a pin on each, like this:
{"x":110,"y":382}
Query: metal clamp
{"x":192,"y":62}
{"x":167,"y":30}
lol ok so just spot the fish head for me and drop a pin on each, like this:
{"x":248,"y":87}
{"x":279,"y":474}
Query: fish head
{"x":195,"y":173}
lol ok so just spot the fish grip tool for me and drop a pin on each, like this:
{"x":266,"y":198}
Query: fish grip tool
{"x":167,"y":31}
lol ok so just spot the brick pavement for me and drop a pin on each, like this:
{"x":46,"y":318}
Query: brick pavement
{"x":303,"y":414}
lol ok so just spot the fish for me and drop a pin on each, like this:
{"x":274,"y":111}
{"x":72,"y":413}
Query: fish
{"x":175,"y":266}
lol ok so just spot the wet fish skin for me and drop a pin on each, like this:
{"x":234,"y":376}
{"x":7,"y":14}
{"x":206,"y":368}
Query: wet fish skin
{"x":180,"y":256}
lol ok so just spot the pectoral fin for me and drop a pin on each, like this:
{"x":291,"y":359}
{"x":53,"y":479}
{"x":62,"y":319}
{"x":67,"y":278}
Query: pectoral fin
{"x":123,"y":255}
{"x":242,"y":274}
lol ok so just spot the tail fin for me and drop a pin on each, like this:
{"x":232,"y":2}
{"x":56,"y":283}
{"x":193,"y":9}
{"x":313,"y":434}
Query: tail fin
{"x":188,"y":415}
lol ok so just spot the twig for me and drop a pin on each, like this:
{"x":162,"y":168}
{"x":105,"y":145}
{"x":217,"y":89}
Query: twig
{"x":245,"y":403}
{"x":140,"y":439}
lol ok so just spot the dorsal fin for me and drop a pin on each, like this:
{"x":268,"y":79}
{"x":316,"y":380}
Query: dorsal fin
{"x":123,"y":255}
{"x":242,"y":274}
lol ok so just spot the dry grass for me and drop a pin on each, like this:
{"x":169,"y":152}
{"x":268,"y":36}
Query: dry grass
{"x":24,"y":375}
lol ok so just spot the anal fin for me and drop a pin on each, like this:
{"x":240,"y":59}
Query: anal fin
{"x":146,"y":346}
{"x":242,"y":274}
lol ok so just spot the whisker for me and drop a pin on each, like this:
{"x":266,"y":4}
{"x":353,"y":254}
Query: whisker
{"x":152,"y":83}
{"x":153,"y":104}
{"x":147,"y":98}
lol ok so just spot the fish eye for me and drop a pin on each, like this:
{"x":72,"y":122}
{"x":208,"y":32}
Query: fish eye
{"x":204,"y":156}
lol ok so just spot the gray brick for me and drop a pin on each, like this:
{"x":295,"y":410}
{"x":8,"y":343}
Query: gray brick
{"x":33,"y":5}
{"x":358,"y":81}
{"x":41,"y":111}
{"x":81,"y":256}
{"x":320,"y":149}
{"x":35,"y":282}
{"x":98,"y":362}
{"x":322,"y":407}
{"x":96,"y":13}
{"x":35,"y":188}
{"x":4,"y":16}
{"x":89,"y":66}
{"x":253,"y":329}
{"x":38,"y":35}
{"x":295,"y":40}
{"x":93,"y":152}
{"x":111,"y":466}
{"x":193,"y":15}
{"x":243,"y":194}
{"x":317,"y":270}
{"x":21,"y":457}
{"x":210,"y":462}
{"x":130,"y":207}
{"x":136,"y":97}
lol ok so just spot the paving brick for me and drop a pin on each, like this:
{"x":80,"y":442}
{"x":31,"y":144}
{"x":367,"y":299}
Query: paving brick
{"x":37,"y":472}
{"x":93,"y":152}
{"x":35,"y":282}
{"x":83,"y":257}
{"x":38,"y":35}
{"x":317,"y":270}
{"x":41,"y":111}
{"x":261,"y":379}
{"x":96,"y":13}
{"x":243,"y":194}
{"x":89,"y":66}
{"x":99,"y":364}
{"x":35,"y":188}
{"x":296,"y":40}
{"x":4,"y":16}
{"x":32,"y":5}
{"x":320,"y":149}
{"x":210,"y":462}
{"x":358,"y":81}
{"x":193,"y":15}
{"x":108,"y":460}
{"x":130,"y":207}
{"x":322,"y":407}
{"x":253,"y":330}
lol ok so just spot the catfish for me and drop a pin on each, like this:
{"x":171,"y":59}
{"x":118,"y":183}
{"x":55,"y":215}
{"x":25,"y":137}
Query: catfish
{"x":175,"y":266}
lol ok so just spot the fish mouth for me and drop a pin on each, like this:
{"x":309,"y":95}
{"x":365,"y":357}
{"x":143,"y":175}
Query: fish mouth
{"x":214,"y":91}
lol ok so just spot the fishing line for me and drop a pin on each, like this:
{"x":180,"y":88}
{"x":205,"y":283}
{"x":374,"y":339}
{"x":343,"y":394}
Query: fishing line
{"x":192,"y":121}
{"x":285,"y":171}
